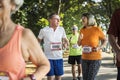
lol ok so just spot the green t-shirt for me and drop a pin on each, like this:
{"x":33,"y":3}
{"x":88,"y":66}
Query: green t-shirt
{"x":75,"y":50}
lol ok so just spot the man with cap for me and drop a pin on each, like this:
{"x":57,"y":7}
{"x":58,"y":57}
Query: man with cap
{"x":75,"y":53}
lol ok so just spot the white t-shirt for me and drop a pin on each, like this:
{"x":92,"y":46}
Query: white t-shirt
{"x":52,"y":38}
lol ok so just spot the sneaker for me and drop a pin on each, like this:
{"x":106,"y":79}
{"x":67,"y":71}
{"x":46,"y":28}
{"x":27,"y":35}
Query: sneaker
{"x":74,"y":79}
{"x":78,"y":78}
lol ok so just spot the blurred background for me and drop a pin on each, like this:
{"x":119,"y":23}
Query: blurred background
{"x":34,"y":13}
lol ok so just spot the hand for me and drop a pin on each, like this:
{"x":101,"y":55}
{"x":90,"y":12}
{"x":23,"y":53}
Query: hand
{"x":65,"y":46}
{"x":95,"y":49}
{"x":81,"y":36}
{"x":99,"y":48}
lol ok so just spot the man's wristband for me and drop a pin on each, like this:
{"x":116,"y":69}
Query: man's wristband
{"x":32,"y":77}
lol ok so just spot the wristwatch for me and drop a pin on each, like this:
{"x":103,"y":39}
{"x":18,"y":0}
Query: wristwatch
{"x":32,"y":77}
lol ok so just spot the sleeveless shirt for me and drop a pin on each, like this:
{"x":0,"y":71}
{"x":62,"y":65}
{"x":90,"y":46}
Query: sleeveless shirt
{"x":75,"y":50}
{"x":11,"y":60}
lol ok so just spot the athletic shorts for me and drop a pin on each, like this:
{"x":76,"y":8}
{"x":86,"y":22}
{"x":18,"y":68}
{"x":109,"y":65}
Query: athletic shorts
{"x":74,"y":59}
{"x":56,"y":67}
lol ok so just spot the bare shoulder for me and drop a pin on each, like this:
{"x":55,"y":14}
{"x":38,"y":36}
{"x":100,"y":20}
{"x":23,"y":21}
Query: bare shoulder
{"x":29,"y":39}
{"x":31,"y":48}
{"x":28,"y":35}
{"x":30,"y":45}
{"x":27,"y":32}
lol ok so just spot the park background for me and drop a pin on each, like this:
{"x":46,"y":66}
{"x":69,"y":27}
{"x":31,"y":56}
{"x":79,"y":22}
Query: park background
{"x":34,"y":14}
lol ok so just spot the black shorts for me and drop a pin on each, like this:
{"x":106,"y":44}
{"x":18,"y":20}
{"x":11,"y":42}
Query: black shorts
{"x":74,"y":59}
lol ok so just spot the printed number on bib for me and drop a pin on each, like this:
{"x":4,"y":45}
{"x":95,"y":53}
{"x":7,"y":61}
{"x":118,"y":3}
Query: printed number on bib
{"x":56,"y":46}
{"x":87,"y":49}
{"x":75,"y":46}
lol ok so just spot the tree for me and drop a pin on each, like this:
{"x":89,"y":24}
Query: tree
{"x":34,"y":13}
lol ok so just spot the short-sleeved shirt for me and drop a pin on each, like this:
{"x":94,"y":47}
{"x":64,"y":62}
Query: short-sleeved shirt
{"x":50,"y":37}
{"x":114,"y":27}
{"x":91,"y":37}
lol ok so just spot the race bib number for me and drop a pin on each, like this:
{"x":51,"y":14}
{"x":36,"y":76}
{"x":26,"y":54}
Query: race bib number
{"x":87,"y":49}
{"x":75,"y":46}
{"x":56,"y":46}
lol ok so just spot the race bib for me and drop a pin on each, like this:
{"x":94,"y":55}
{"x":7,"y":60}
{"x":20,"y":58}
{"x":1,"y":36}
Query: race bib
{"x":56,"y":46}
{"x":4,"y":78}
{"x":75,"y":46}
{"x":87,"y":49}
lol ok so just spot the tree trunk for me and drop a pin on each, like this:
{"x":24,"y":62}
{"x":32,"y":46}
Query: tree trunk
{"x":59,"y":7}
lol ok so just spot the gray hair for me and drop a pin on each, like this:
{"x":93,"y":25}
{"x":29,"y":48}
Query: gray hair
{"x":91,"y":19}
{"x":18,"y":4}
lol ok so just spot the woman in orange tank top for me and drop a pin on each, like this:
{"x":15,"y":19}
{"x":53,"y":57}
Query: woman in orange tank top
{"x":17,"y":46}
{"x":90,"y":37}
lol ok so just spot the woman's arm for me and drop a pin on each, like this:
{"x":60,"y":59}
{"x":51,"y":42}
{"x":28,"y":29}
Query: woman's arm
{"x":32,"y":51}
{"x":103,"y":43}
{"x":79,"y":39}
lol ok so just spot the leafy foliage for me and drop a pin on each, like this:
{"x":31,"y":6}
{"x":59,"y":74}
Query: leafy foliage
{"x":34,"y":13}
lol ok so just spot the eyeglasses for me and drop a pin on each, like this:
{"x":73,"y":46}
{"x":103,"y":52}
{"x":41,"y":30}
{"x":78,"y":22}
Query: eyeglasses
{"x":74,"y":29}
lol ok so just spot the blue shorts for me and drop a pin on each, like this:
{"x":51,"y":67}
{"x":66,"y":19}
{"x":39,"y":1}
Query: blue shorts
{"x":56,"y":67}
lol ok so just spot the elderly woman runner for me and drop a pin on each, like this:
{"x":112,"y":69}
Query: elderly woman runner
{"x":90,"y":37}
{"x":17,"y":46}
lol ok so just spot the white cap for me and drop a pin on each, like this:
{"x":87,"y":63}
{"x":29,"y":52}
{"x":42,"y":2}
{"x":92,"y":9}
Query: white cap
{"x":56,"y":16}
{"x":74,"y":27}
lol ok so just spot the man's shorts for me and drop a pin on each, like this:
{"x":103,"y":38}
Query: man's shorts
{"x":56,"y":67}
{"x":74,"y":59}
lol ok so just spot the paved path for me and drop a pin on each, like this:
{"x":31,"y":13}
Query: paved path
{"x":107,"y":70}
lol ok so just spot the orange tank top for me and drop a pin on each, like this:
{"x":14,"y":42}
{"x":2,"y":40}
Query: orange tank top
{"x":11,"y":60}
